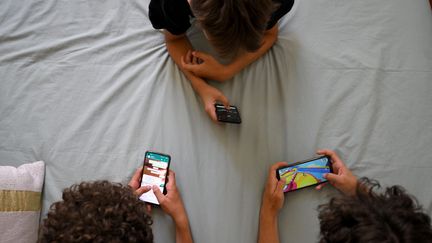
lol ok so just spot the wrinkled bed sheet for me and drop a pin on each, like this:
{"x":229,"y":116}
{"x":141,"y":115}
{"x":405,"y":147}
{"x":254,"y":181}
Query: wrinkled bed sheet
{"x":88,"y":87}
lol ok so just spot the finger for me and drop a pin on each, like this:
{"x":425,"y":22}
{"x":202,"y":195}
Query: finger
{"x":330,"y":153}
{"x":194,"y":60}
{"x":224,"y":101}
{"x":277,"y":165}
{"x":171,"y":178}
{"x":201,"y":55}
{"x":142,"y":190}
{"x":279,"y":187}
{"x":186,"y":60}
{"x":134,"y":182}
{"x":272,"y":179}
{"x":189,"y":67}
{"x":189,"y":57}
{"x":211,"y":111}
{"x":320,"y":186}
{"x":186,"y":57}
{"x":336,"y":161}
{"x":183,"y":59}
{"x":149,"y":208}
{"x":332,"y":178}
{"x":159,"y":195}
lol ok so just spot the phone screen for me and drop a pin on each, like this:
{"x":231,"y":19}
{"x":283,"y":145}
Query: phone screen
{"x":304,"y":174}
{"x":154,"y":173}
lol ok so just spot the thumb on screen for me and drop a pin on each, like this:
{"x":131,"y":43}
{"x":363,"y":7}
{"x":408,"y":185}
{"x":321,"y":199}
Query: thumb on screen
{"x":158,"y":193}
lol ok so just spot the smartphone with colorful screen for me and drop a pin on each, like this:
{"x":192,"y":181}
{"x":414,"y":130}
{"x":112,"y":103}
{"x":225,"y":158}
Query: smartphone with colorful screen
{"x":304,"y":173}
{"x":155,"y":172}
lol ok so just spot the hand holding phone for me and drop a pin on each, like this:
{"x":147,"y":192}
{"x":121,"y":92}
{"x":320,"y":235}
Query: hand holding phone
{"x":304,"y":173}
{"x":272,"y":199}
{"x":171,"y":203}
{"x":135,"y":183}
{"x":229,"y":115}
{"x":341,"y":178}
{"x":154,"y":173}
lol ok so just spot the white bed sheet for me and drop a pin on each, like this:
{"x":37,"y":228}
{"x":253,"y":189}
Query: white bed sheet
{"x":88,"y":87}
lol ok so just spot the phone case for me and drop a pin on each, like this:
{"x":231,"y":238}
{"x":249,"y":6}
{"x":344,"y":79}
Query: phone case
{"x":230,"y":116}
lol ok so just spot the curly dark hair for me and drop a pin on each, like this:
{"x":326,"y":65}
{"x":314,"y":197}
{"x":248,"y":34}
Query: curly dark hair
{"x":98,"y":211}
{"x":391,"y":216}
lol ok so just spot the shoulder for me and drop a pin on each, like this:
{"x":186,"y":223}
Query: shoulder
{"x":282,"y":7}
{"x":172,"y":15}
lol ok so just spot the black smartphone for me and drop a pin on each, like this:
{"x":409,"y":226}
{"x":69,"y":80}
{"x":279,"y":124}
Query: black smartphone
{"x":231,"y":115}
{"x":155,"y":172}
{"x":304,"y":173}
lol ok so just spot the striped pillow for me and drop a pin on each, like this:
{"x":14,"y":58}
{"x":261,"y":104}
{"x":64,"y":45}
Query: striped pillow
{"x":20,"y":201}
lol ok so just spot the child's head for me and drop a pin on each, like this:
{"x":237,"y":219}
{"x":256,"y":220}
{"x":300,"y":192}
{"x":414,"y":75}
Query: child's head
{"x":233,"y":26}
{"x":97,"y":212}
{"x":392,"y":216}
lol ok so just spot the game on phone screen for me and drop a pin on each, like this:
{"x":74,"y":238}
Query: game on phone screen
{"x":305,"y":174}
{"x":154,"y":173}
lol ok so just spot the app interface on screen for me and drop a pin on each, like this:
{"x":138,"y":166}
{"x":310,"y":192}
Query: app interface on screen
{"x":306,"y":174}
{"x":154,"y":172}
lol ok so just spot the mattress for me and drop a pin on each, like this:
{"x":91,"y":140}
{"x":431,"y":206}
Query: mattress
{"x":88,"y":87}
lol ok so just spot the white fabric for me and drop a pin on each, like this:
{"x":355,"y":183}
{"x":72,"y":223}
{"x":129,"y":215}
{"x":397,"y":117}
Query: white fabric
{"x":27,"y":177}
{"x":88,"y":87}
{"x":20,"y":226}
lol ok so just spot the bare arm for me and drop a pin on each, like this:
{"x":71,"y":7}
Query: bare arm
{"x":178,"y":47}
{"x":272,"y":202}
{"x":268,"y":228}
{"x":183,"y":232}
{"x":172,"y":204}
{"x":210,"y":68}
{"x":247,"y":58}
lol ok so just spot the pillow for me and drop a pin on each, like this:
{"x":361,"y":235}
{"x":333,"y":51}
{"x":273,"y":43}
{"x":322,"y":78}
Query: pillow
{"x":20,"y":201}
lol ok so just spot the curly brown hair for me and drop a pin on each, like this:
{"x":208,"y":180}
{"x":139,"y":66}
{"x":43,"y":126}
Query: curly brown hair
{"x":98,"y":211}
{"x":391,"y":216}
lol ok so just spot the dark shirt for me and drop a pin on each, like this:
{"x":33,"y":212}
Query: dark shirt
{"x":174,"y":15}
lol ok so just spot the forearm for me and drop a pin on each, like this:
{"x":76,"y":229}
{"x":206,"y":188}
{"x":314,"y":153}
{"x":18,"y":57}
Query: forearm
{"x":247,"y":58}
{"x":268,"y":228}
{"x":177,"y":48}
{"x":183,"y":232}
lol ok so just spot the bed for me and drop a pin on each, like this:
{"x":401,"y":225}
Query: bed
{"x":88,"y":87}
